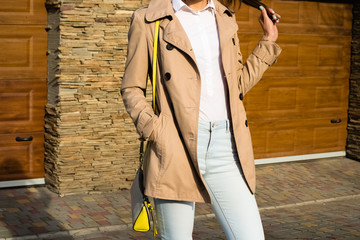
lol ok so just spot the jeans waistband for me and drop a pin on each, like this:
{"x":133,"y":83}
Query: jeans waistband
{"x":223,"y":124}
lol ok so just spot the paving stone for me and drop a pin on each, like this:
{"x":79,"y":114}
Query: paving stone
{"x":327,"y":212}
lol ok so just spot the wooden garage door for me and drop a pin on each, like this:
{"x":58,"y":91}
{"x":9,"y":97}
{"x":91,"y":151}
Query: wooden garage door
{"x":300,"y":106}
{"x":23,"y":46}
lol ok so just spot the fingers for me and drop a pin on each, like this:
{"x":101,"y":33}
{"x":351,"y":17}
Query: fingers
{"x":272,"y":15}
{"x":275,"y":16}
{"x":263,"y":15}
{"x":268,"y":20}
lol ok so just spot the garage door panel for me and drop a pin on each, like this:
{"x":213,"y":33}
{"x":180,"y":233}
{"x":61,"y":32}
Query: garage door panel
{"x":14,"y":110}
{"x":275,"y":138}
{"x":283,"y":124}
{"x":23,"y":12}
{"x":276,"y":142}
{"x":297,"y":116}
{"x":23,"y":88}
{"x":290,"y":12}
{"x":17,"y":51}
{"x":19,"y":160}
{"x":22,"y":104}
{"x":305,"y":55}
{"x":22,"y":52}
{"x":328,"y":97}
{"x":301,"y":17}
{"x":326,"y":137}
{"x":297,"y":97}
{"x":331,"y":15}
{"x":300,"y":105}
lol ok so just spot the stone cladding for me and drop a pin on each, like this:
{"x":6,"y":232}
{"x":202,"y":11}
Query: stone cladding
{"x":353,"y":139}
{"x":90,"y":142}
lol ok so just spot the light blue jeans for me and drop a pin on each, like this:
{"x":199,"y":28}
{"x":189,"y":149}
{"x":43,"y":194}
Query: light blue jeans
{"x":232,"y":202}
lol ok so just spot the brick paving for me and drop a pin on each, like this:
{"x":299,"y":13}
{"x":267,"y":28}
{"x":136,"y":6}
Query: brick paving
{"x":317,"y":199}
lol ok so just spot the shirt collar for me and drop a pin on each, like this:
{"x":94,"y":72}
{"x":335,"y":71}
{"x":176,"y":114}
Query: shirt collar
{"x":179,"y":4}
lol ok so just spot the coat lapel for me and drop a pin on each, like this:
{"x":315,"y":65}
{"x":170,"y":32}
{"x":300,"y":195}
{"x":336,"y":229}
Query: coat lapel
{"x":158,"y":9}
{"x":227,"y":27}
{"x":175,"y":34}
{"x":173,"y":31}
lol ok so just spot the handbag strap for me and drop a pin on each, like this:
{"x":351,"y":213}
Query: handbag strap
{"x":154,"y":68}
{"x":142,"y":150}
{"x":154,"y":63}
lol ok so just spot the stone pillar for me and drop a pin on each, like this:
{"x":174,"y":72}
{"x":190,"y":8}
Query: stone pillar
{"x":353,"y":139}
{"x":90,"y":142}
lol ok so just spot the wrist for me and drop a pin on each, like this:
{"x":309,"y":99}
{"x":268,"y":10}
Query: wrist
{"x":269,"y":38}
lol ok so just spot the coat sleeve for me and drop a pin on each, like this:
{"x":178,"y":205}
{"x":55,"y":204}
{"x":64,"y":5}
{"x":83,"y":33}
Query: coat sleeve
{"x":134,"y":81}
{"x":264,"y":55}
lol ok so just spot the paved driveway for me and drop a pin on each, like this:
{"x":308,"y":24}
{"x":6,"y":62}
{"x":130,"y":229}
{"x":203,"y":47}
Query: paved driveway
{"x":317,"y":199}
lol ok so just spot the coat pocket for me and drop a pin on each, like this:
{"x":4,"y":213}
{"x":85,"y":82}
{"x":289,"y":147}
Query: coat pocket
{"x":156,"y":136}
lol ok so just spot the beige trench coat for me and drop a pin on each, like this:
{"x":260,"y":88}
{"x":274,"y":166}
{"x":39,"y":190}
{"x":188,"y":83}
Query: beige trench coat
{"x":171,"y":170}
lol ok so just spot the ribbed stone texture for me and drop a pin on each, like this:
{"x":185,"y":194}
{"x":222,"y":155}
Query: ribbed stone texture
{"x":90,"y":142}
{"x":353,"y":140}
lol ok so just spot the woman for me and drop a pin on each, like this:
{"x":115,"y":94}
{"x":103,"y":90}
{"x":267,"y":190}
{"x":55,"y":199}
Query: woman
{"x":201,"y":148}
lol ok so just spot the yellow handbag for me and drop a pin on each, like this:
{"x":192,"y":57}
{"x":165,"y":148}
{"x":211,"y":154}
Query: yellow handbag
{"x":140,"y":204}
{"x":141,"y":207}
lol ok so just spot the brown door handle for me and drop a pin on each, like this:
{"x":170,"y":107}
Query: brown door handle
{"x":20,"y":139}
{"x":336,"y":120}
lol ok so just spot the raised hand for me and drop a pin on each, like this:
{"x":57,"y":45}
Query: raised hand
{"x":269,"y":24}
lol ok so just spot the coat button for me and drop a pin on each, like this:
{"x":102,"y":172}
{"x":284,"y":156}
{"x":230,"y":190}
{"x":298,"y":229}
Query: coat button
{"x":241,"y":96}
{"x":169,"y":47}
{"x":246,"y":123}
{"x":233,"y":40}
{"x":167,"y":76}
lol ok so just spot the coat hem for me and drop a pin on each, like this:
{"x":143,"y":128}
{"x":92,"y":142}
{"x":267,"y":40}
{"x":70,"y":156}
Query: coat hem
{"x":177,"y":198}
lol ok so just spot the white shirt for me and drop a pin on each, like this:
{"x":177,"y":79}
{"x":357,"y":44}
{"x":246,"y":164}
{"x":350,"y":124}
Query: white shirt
{"x":201,"y":29}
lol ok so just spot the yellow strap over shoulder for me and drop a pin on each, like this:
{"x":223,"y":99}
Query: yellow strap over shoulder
{"x":142,"y":223}
{"x":154,"y":65}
